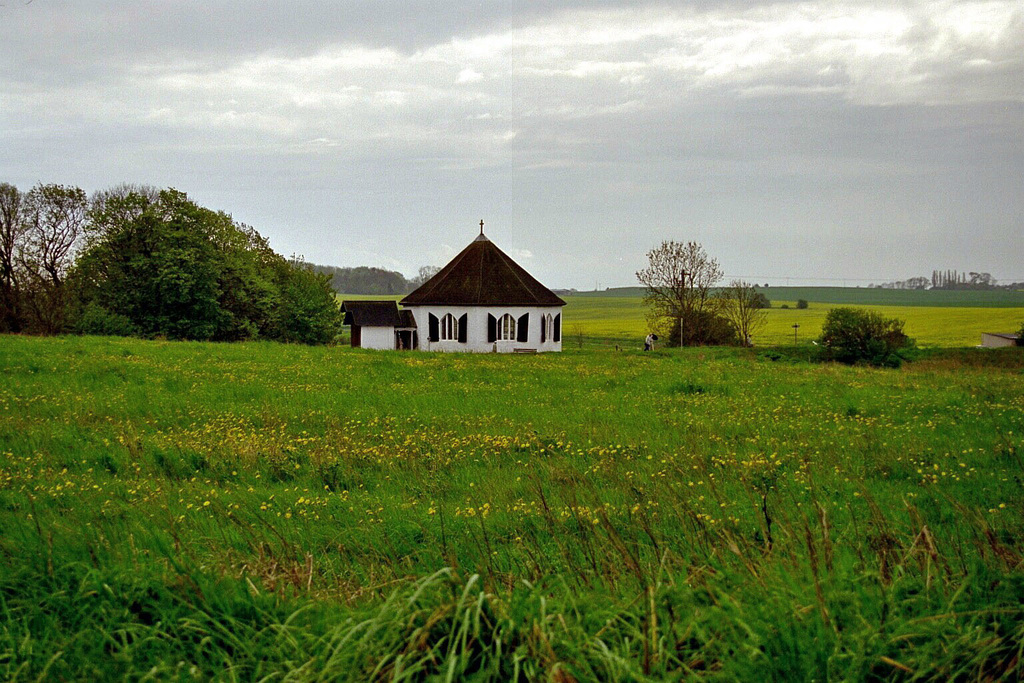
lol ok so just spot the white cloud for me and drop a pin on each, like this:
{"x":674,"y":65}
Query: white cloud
{"x":572,"y":66}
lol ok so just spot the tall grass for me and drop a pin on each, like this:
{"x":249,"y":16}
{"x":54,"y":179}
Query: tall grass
{"x":260,"y":511}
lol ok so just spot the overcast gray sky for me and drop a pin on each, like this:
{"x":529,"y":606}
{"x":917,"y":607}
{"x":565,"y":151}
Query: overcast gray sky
{"x":820,"y":139}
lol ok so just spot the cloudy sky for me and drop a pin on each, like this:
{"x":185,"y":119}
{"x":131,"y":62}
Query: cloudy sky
{"x":819,"y":141}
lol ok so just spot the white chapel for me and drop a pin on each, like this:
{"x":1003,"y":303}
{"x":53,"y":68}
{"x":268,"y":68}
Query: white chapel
{"x":482,"y":301}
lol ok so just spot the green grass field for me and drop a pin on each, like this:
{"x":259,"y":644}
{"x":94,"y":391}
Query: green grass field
{"x":257,"y":511}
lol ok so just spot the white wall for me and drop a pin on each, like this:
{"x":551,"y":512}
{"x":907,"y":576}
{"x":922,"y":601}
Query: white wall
{"x":476,"y":332}
{"x":377,"y":337}
{"x":995,"y":341}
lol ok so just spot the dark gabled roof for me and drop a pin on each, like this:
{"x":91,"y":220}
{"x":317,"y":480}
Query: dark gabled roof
{"x":406,"y":319}
{"x":371,"y":313}
{"x":482,"y":275}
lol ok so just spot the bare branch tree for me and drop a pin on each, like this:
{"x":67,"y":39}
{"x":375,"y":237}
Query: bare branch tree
{"x":56,"y":221}
{"x":678,"y":281}
{"x":741,"y":305}
{"x":424,"y":274}
{"x":12,"y":228}
{"x":56,"y":217}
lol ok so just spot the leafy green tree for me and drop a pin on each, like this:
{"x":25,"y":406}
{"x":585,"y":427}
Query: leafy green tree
{"x":160,"y":269}
{"x":309,"y":311}
{"x":851,"y":335}
{"x":157,"y":264}
{"x":249,"y":291}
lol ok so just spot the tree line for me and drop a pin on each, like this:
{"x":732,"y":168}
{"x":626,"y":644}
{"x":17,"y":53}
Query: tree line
{"x":371,"y":280}
{"x":141,"y":261}
{"x":950,"y":280}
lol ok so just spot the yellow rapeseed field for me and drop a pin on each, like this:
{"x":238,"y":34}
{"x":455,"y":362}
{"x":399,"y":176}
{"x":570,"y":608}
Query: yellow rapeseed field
{"x":622,"y":320}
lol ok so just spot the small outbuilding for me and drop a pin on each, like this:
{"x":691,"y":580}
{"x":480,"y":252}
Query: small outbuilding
{"x":992,"y":340}
{"x":379,"y":325}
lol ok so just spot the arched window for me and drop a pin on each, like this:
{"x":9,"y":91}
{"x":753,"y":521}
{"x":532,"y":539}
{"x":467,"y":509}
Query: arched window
{"x":449,"y":328}
{"x":507,"y":328}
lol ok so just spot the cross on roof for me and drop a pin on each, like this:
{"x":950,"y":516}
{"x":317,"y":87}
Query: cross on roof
{"x":481,"y":226}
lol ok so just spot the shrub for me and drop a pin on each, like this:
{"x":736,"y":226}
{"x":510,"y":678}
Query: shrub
{"x":852,"y":335}
{"x":1020,"y":335}
{"x":706,"y":327}
{"x":801,"y":303}
{"x":95,"y":319}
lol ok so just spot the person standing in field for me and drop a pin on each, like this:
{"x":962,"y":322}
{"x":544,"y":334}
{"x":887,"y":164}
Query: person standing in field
{"x":649,"y":342}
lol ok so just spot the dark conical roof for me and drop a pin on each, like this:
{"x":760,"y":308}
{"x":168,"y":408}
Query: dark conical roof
{"x":482,"y":275}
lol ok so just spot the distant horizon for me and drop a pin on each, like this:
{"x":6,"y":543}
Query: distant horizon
{"x":759,"y":280}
